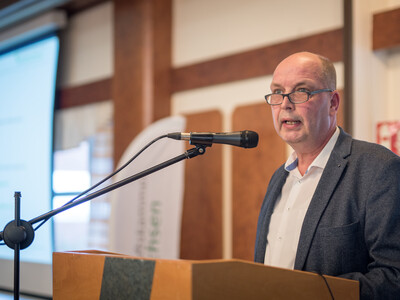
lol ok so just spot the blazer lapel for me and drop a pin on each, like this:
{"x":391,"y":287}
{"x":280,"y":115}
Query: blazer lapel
{"x":275,"y":192}
{"x":326,"y":186}
{"x":266,"y":213}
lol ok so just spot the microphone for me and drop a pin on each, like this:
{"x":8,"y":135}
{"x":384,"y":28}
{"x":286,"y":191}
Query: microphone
{"x":244,"y":139}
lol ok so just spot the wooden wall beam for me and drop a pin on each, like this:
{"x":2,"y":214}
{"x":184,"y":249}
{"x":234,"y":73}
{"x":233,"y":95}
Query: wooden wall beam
{"x":93,"y":92}
{"x":386,"y":33}
{"x":347,"y":93}
{"x":142,"y":45}
{"x":128,"y":87}
{"x":162,"y":57}
{"x":201,"y":228}
{"x":254,"y":63}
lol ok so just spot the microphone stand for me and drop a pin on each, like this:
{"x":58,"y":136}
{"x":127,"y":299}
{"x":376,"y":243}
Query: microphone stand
{"x":19,"y":234}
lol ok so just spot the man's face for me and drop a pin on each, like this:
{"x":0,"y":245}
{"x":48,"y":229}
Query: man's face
{"x":306,"y":126}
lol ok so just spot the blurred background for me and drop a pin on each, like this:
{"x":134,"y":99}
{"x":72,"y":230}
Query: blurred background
{"x":111,"y":69}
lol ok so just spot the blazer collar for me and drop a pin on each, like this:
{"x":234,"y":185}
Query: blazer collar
{"x":326,"y":186}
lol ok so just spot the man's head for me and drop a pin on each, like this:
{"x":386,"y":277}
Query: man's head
{"x":307,"y":126}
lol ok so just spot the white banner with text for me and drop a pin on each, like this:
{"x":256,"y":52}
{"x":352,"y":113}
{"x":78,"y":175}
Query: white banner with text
{"x":146,"y":214}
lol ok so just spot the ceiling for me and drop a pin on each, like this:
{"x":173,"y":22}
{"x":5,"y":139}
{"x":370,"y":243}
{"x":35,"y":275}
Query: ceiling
{"x":15,"y":11}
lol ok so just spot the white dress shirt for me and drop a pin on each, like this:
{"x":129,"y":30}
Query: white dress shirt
{"x":291,"y":207}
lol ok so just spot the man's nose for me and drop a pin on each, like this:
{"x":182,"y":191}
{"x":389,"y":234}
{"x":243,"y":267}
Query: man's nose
{"x":286,"y":104}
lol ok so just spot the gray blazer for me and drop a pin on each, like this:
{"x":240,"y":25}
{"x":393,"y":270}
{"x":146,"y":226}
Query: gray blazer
{"x":352,"y":226}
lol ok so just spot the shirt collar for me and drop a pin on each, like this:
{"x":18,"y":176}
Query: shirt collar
{"x":322,"y":158}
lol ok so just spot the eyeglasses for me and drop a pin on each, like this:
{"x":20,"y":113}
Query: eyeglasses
{"x":295,"y":97}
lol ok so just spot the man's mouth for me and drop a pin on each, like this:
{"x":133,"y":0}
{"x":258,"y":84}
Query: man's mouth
{"x":290,"y":122}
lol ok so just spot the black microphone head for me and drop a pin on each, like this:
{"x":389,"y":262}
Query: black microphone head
{"x":249,"y":139}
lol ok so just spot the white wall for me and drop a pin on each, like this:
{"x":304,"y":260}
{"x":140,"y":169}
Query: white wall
{"x":376,"y":73}
{"x":88,"y":46}
{"x":393,"y":69}
{"x":208,"y":29}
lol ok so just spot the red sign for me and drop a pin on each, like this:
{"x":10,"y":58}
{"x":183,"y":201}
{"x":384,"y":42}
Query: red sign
{"x":388,"y":135}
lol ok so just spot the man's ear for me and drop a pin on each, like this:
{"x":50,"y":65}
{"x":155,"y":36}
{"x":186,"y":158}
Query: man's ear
{"x":335,"y":101}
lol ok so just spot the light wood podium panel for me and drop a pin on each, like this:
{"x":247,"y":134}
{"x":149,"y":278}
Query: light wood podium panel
{"x":101,"y":275}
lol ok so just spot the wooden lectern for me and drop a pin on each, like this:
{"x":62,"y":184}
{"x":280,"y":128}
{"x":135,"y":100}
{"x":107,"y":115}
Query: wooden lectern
{"x":103,"y":275}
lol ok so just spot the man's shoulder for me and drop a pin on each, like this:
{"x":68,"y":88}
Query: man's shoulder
{"x":365,"y":151}
{"x":373,"y":150}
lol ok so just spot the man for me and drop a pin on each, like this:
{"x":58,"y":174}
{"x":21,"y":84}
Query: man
{"x":334,"y":206}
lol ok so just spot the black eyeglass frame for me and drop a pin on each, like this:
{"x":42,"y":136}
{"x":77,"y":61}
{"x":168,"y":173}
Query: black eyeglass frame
{"x":309,"y":94}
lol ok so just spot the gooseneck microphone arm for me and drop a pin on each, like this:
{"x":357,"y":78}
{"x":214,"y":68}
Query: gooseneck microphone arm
{"x":19,"y":234}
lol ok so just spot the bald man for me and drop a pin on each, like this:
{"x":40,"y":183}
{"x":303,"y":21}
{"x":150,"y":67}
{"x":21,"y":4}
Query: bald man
{"x":334,"y":206}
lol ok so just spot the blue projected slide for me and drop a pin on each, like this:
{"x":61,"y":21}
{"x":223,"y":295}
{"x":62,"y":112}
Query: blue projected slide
{"x":27,"y":88}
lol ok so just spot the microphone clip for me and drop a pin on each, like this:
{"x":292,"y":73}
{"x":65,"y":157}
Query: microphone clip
{"x":198,"y":150}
